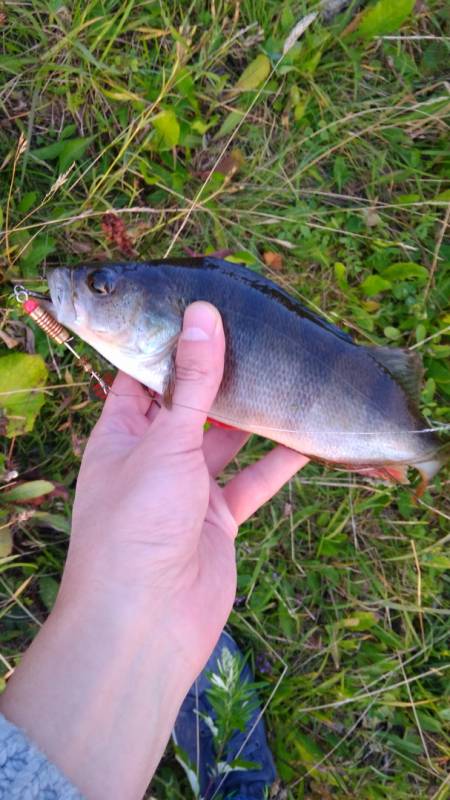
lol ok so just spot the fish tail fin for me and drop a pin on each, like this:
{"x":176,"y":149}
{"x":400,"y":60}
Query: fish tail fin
{"x":428,"y":469}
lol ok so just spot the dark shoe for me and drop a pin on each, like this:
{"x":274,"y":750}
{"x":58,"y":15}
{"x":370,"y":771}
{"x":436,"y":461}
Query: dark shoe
{"x":193,"y":738}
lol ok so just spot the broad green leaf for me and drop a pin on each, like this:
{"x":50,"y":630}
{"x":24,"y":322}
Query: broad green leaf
{"x":199,"y":126}
{"x":66,"y":150}
{"x":27,"y":200}
{"x":20,"y":375}
{"x":241,"y":257}
{"x":49,"y":152}
{"x":26,"y":491}
{"x":168,"y":128}
{"x":386,"y":16}
{"x":122,"y":94}
{"x":361,"y":621}
{"x":436,"y":561}
{"x":48,"y":589}
{"x":300,"y":109}
{"x":230,"y":122}
{"x":68,"y":131}
{"x":287,"y":623}
{"x":443,"y":197}
{"x":6,"y":541}
{"x":308,"y":66}
{"x":340,"y":272}
{"x":411,"y":745}
{"x":428,"y":722}
{"x":56,"y":521}
{"x":38,"y":249}
{"x":405,"y":270}
{"x":406,"y":199}
{"x":362,"y":318}
{"x":391,"y":333}
{"x":374,"y":284}
{"x":441,"y":374}
{"x":189,"y":769}
{"x":254,"y":75}
{"x":72,"y":150}
{"x":421,"y":332}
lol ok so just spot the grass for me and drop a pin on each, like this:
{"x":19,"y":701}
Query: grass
{"x":339,"y":166}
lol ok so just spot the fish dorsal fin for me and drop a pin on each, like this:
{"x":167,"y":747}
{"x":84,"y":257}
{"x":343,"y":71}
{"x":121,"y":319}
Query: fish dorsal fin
{"x":404,"y":365}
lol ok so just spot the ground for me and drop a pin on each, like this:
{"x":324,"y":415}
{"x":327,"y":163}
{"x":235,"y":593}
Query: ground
{"x":326,"y":169}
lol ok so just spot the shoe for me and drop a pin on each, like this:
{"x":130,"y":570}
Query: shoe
{"x":194,"y":740}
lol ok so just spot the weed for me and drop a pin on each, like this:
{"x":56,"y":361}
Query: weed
{"x":338,"y":166}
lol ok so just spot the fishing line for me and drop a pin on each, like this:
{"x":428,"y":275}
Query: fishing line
{"x":29,"y":302}
{"x":54,"y":330}
{"x":314,"y":318}
{"x":283,"y":297}
{"x":236,"y":423}
{"x":219,"y":417}
{"x":270,"y":428}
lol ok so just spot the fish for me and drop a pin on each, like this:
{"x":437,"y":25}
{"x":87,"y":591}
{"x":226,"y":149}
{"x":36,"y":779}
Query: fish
{"x":289,"y":375}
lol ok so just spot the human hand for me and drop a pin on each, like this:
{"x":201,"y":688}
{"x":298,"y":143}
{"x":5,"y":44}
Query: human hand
{"x":150,"y":520}
{"x":150,"y":576}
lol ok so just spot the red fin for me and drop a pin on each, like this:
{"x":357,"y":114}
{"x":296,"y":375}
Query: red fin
{"x":421,"y":489}
{"x":223,"y":425}
{"x":392,"y":473}
{"x":398,"y":473}
{"x":96,"y":391}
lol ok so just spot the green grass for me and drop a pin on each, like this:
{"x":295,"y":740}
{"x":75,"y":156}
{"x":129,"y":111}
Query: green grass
{"x":343,"y":598}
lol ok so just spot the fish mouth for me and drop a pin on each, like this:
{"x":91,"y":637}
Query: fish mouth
{"x":60,"y":302}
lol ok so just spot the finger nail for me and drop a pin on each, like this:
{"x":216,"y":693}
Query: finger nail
{"x":200,"y":322}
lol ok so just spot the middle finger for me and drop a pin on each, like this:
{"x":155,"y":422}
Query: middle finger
{"x":220,"y":447}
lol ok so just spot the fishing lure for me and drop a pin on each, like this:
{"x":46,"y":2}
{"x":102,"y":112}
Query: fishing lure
{"x":28,"y":301}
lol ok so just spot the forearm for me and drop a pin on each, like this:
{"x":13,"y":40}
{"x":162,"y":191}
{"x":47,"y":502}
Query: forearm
{"x":99,"y":692}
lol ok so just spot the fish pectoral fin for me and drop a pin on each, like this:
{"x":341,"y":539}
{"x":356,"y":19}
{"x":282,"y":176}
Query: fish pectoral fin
{"x":169,"y":385}
{"x":396,"y":474}
{"x":224,"y":425}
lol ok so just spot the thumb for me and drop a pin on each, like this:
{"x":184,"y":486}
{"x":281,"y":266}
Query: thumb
{"x":198,"y":372}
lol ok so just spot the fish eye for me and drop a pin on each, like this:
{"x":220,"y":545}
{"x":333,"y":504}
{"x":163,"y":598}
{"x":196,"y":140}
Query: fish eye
{"x":101,"y":281}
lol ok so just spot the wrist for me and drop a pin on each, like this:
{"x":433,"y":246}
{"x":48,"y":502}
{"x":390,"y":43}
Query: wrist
{"x":99,"y":681}
{"x":129,"y":621}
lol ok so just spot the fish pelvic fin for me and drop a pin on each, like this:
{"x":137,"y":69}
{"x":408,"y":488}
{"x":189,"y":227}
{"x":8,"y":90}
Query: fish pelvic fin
{"x":391,"y":473}
{"x":405,"y":366}
{"x":223,"y":425}
{"x":169,"y":385}
{"x":398,"y":473}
